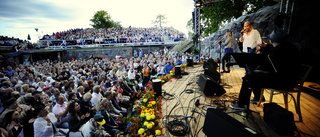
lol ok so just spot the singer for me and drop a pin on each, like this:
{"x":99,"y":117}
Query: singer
{"x":250,"y":37}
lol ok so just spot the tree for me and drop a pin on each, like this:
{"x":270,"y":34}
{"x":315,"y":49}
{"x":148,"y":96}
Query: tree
{"x":215,"y":14}
{"x":101,"y":19}
{"x":160,"y":19}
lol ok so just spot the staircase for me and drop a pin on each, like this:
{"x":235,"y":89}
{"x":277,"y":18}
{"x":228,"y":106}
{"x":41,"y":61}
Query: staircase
{"x":182,"y":46}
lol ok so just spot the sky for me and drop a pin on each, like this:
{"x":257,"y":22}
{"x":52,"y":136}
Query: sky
{"x":18,"y":18}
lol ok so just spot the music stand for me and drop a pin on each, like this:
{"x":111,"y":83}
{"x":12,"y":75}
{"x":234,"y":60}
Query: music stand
{"x":246,"y":60}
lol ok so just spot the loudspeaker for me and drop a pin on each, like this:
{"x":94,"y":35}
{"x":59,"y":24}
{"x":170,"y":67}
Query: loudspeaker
{"x":190,"y":62}
{"x":220,"y":124}
{"x":211,"y":72}
{"x":177,"y":71}
{"x":209,"y":87}
{"x":213,"y":63}
{"x":210,"y":63}
{"x":157,"y":87}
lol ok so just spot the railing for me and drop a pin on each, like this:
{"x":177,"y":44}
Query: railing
{"x":110,"y":45}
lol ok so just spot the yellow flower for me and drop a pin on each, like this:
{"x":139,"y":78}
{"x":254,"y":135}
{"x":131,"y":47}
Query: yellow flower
{"x":149,"y":126}
{"x":158,"y":132}
{"x":153,"y":102}
{"x":142,"y":115}
{"x":152,"y":123}
{"x":148,"y":117}
{"x":153,"y":116}
{"x":148,"y":114}
{"x":149,"y":105}
{"x":145,"y":100}
{"x":150,"y":135}
{"x":141,"y":131}
{"x":146,"y":123}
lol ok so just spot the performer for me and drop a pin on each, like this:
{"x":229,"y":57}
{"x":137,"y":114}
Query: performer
{"x":228,"y":49}
{"x":285,"y":58}
{"x":250,"y":38}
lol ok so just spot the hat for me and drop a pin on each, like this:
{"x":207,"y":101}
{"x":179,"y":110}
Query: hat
{"x":46,"y":88}
{"x":99,"y":119}
{"x":277,"y":35}
{"x":35,"y":92}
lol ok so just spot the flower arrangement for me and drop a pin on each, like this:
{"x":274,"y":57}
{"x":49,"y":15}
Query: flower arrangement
{"x":198,"y":62}
{"x":184,"y":67}
{"x":146,"y":122}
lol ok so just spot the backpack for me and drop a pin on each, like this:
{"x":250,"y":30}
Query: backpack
{"x":279,"y":119}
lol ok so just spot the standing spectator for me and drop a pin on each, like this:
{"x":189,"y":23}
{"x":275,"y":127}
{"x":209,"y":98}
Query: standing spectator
{"x":145,"y":74}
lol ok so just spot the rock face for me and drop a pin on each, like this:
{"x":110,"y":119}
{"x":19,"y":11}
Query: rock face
{"x":304,"y":29}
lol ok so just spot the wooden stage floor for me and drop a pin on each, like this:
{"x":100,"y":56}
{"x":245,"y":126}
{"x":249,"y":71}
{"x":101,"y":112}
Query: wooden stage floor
{"x":186,"y":91}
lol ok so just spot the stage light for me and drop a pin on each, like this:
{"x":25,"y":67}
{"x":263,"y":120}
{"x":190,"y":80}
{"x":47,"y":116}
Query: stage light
{"x":199,"y":3}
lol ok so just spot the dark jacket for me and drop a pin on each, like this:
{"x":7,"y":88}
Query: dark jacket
{"x":74,"y":122}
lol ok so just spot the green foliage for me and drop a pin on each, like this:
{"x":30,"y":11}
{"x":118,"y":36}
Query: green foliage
{"x":160,"y":20}
{"x":101,"y":19}
{"x":225,"y":11}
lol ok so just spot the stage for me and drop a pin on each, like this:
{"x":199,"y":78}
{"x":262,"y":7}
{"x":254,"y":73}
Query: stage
{"x":184,"y":93}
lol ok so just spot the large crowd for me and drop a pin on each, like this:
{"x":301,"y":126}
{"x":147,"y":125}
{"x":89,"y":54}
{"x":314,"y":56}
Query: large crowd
{"x":116,"y":35}
{"x":15,"y":43}
{"x":77,"y":97}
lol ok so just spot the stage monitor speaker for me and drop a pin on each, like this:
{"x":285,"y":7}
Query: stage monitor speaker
{"x":219,"y":124}
{"x":211,"y":72}
{"x":209,"y":87}
{"x":213,"y":63}
{"x":177,"y":71}
{"x":157,"y":87}
{"x":190,"y":62}
{"x":210,"y":62}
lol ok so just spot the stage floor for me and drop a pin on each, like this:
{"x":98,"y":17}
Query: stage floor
{"x":186,"y":91}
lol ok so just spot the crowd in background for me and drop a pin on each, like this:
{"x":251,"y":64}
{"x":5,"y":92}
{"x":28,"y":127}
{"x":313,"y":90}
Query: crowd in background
{"x":77,"y":97}
{"x":117,"y":35}
{"x":15,"y":43}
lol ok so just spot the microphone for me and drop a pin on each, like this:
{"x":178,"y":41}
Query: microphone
{"x":242,"y":31}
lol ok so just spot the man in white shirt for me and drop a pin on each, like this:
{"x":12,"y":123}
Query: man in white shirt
{"x":96,"y":95}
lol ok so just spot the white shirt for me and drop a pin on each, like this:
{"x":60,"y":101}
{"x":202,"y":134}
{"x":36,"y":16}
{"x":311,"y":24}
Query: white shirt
{"x":252,"y":40}
{"x":42,"y":129}
{"x":160,"y":70}
{"x":131,"y":75}
{"x":88,"y":128}
{"x":95,"y":98}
